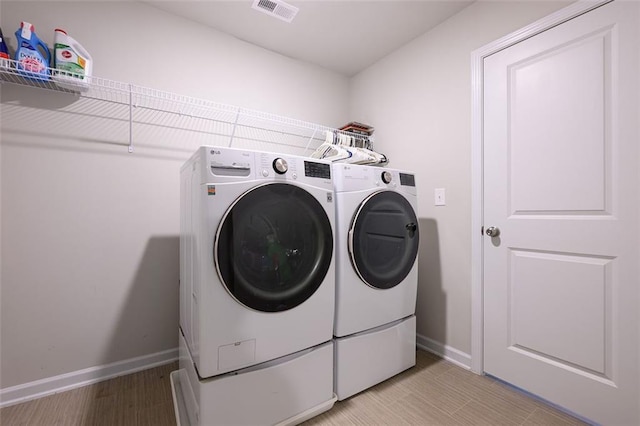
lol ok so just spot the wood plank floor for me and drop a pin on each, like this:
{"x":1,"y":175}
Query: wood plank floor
{"x":434,"y":392}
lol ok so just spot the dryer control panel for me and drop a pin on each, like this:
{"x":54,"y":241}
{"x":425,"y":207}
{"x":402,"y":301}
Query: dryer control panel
{"x":407,"y":179}
{"x":353,"y":177}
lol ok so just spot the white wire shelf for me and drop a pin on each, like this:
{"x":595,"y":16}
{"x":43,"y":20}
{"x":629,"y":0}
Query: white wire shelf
{"x":148,"y":106}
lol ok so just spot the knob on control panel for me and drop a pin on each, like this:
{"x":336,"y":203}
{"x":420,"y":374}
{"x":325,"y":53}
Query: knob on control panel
{"x":386,"y":177}
{"x":280,"y":166}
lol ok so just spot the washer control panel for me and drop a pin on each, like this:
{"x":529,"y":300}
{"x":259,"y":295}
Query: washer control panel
{"x":318,"y":170}
{"x":230,"y":165}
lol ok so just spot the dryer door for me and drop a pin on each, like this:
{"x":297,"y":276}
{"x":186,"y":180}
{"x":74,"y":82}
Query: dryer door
{"x":274,"y":247}
{"x":383,"y":239}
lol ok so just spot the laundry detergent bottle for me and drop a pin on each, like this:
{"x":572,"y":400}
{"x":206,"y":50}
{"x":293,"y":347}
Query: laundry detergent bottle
{"x":73,"y":64}
{"x":4,"y":52}
{"x":32,"y":55}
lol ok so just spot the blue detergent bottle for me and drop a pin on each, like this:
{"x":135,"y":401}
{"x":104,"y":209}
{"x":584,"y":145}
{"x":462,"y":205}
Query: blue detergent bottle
{"x":32,"y":54}
{"x":4,"y":50}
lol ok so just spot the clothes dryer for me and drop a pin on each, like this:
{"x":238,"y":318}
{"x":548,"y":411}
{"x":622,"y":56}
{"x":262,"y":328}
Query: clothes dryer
{"x":377,"y":238}
{"x":257,"y":277}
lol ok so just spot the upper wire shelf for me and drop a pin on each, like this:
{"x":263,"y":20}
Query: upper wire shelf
{"x":150,"y":106}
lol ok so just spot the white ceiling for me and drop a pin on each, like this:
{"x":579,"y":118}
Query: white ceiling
{"x":345,"y":36}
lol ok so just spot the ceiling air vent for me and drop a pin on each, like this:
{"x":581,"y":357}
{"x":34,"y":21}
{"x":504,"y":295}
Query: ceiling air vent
{"x":276,"y":8}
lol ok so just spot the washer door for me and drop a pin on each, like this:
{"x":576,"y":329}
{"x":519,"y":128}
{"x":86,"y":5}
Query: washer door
{"x":383,"y":239}
{"x":274,"y":247}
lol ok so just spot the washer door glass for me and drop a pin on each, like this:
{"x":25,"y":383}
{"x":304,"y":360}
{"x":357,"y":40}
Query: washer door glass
{"x":383,"y":239}
{"x":274,"y":247}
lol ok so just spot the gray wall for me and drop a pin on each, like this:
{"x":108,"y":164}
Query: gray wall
{"x":90,"y":232}
{"x":419,"y":99}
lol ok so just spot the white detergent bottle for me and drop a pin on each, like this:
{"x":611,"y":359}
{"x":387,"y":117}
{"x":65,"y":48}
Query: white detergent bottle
{"x":72,"y":63}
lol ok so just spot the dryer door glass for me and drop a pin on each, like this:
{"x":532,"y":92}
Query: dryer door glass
{"x":274,"y":247}
{"x":383,"y":239}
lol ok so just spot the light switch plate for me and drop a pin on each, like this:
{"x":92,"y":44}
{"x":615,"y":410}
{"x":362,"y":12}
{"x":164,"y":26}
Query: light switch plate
{"x":439,"y":197}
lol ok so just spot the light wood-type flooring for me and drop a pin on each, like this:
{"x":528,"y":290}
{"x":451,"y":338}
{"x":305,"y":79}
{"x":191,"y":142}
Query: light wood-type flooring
{"x":434,"y":392}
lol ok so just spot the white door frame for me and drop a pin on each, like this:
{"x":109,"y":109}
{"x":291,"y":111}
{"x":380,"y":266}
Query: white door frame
{"x":477,"y":144}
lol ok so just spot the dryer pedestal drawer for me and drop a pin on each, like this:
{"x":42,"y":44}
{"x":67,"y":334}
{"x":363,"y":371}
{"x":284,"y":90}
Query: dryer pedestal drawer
{"x":370,"y":357}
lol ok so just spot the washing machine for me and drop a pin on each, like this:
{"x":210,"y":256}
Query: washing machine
{"x":377,"y":239}
{"x":257,"y":275}
{"x":257,"y":257}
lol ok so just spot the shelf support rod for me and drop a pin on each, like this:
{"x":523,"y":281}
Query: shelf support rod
{"x":310,"y":139}
{"x":235,"y":124}
{"x":130,"y":119}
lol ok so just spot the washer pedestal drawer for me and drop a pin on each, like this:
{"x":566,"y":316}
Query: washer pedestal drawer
{"x":285,"y":391}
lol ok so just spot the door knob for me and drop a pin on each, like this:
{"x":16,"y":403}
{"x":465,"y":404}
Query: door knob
{"x":492,"y":231}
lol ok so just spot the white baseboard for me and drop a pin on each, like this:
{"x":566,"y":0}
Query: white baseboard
{"x":64,"y":382}
{"x":452,"y":355}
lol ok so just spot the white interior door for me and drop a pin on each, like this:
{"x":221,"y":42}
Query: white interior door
{"x":561,"y":183}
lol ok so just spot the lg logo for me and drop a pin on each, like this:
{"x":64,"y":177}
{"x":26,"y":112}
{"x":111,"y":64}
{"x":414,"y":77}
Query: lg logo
{"x":213,"y":152}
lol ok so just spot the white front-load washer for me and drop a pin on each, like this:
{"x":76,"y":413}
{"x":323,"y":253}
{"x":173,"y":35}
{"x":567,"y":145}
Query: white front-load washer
{"x":257,"y":277}
{"x":377,"y":238}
